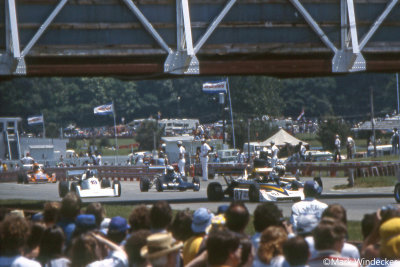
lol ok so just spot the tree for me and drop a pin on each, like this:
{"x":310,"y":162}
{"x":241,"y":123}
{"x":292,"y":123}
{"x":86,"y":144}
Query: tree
{"x":329,"y":128}
{"x":145,"y":135}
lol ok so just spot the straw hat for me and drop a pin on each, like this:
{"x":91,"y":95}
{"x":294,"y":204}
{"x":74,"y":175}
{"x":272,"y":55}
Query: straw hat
{"x":158,"y":245}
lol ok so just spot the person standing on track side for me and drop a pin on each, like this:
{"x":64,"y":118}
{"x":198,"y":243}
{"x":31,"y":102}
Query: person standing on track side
{"x":182,"y":160}
{"x":204,"y":151}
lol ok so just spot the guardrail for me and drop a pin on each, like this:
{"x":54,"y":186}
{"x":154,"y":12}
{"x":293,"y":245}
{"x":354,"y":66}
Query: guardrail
{"x":134,"y":173}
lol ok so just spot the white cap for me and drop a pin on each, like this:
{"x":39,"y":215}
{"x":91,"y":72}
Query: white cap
{"x":179,"y":142}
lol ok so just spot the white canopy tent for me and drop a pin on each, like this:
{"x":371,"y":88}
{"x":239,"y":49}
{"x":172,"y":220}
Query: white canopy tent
{"x":281,"y":138}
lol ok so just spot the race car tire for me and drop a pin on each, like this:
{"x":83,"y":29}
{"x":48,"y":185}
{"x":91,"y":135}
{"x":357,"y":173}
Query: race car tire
{"x":215,"y":192}
{"x":297,"y":199}
{"x":116,"y":182}
{"x":74,"y":187}
{"x":144,"y":184}
{"x":158,"y":184}
{"x":397,"y":192}
{"x":254,"y":192}
{"x":20,"y":178}
{"x":63,"y":188}
{"x":105,"y":183}
{"x":196,"y":184}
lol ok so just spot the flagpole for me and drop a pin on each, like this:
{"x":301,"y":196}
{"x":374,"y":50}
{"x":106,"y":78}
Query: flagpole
{"x":44,"y":129}
{"x":115,"y":133}
{"x":230,"y":108}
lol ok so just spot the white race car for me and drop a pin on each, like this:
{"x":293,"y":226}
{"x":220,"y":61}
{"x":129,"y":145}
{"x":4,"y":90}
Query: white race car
{"x":86,"y":184}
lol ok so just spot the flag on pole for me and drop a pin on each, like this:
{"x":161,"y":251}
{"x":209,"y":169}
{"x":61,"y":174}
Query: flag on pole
{"x":35,"y":119}
{"x":214,"y":87}
{"x":104,"y":109}
{"x":301,"y":114}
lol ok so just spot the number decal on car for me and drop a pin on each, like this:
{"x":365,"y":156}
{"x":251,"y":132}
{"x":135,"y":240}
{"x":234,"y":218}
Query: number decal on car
{"x":93,"y":182}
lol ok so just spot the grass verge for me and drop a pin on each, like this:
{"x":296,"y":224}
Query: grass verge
{"x":370,"y":181}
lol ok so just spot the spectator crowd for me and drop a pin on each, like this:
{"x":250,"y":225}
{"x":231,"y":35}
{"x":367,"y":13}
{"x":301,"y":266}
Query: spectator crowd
{"x":65,"y":234}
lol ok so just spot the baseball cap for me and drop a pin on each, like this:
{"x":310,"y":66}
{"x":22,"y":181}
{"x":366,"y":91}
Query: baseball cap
{"x":85,"y":222}
{"x":118,"y":224}
{"x":389,"y":233}
{"x":201,"y":220}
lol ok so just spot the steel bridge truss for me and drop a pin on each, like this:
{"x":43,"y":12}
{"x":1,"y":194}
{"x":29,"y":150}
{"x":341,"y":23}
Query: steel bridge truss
{"x":183,"y":60}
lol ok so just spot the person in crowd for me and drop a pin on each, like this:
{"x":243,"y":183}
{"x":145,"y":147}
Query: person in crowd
{"x":51,"y":248}
{"x":160,"y":217}
{"x":237,"y":217}
{"x":309,"y":206}
{"x":51,"y":212}
{"x":270,"y":250}
{"x":265,"y":215}
{"x":204,"y":151}
{"x":161,"y":250}
{"x":139,"y":218}
{"x":296,"y":252}
{"x":329,"y":237}
{"x":337,"y":212}
{"x":337,"y":157}
{"x":116,"y":255}
{"x":302,"y":151}
{"x":162,"y":154}
{"x":181,"y":226}
{"x":14,"y":230}
{"x":84,"y":223}
{"x":216,"y":158}
{"x":241,"y":157}
{"x":350,"y":146}
{"x":181,"y":160}
{"x":389,"y":233}
{"x":117,"y":229}
{"x":133,"y":245}
{"x":274,"y":154}
{"x":223,"y":248}
{"x":98,"y":211}
{"x":201,"y":221}
{"x":31,"y":249}
{"x":70,"y":208}
{"x":99,"y":159}
{"x":85,"y":250}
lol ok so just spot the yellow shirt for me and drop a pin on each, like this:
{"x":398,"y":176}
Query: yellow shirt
{"x":191,"y":248}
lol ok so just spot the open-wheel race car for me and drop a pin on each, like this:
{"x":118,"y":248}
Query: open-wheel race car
{"x":169,"y":180}
{"x":85,"y":183}
{"x":275,"y":187}
{"x":35,"y":174}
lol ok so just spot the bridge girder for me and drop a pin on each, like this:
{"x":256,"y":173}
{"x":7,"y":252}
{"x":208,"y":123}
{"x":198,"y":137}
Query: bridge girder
{"x":227,"y":44}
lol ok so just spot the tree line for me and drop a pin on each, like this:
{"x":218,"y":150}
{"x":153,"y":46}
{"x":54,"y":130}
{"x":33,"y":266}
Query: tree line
{"x":71,"y":100}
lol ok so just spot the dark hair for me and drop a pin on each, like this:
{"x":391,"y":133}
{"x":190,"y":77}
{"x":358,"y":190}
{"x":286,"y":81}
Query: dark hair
{"x":70,"y":206}
{"x":160,"y":215}
{"x":368,"y":224}
{"x":265,"y":215}
{"x":84,"y":250}
{"x":133,"y":245}
{"x":139,"y":218}
{"x":181,"y":226}
{"x":98,"y":211}
{"x":220,"y":243}
{"x":14,"y":232}
{"x":51,"y":212}
{"x":328,"y":232}
{"x":246,"y":245}
{"x":335,"y":211}
{"x":51,"y":244}
{"x":35,"y":236}
{"x":296,"y":250}
{"x":237,"y":217}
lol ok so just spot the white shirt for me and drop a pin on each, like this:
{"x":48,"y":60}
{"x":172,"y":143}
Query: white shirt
{"x":205,"y":148}
{"x":302,"y":150}
{"x":337,"y":143}
{"x":308,"y":206}
{"x":182,"y":152}
{"x":275,"y":151}
{"x":348,"y":250}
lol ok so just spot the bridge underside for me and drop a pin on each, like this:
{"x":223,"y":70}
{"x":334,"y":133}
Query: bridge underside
{"x":149,"y":39}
